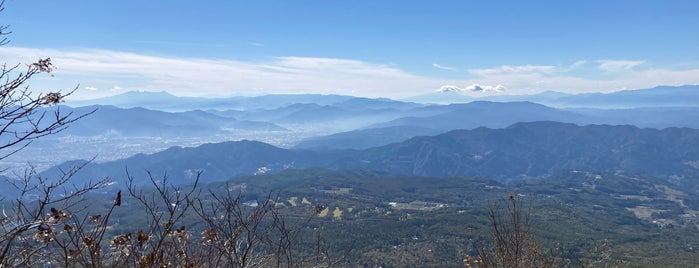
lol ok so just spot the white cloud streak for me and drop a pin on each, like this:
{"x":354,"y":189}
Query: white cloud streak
{"x":577,"y":64}
{"x":442,"y":67}
{"x":196,"y":76}
{"x":618,"y":65}
{"x":514,"y":70}
{"x":210,"y":77}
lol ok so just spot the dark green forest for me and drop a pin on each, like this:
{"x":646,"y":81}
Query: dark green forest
{"x":361,"y":218}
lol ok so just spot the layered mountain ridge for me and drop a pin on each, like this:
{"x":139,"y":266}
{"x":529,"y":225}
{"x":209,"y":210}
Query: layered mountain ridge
{"x":521,"y":150}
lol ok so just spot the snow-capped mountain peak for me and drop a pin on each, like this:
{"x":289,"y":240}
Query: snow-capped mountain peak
{"x":449,"y":88}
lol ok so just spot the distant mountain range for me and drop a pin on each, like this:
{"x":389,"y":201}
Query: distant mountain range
{"x":110,"y":120}
{"x":301,"y":113}
{"x":430,"y":120}
{"x":364,"y":138}
{"x":361,"y":114}
{"x":662,"y":107}
{"x":147,"y":122}
{"x":487,"y":114}
{"x":662,"y":96}
{"x":167,"y":102}
{"x":520,"y":150}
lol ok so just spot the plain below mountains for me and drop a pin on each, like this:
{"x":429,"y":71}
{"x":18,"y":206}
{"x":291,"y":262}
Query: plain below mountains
{"x":520,"y":150}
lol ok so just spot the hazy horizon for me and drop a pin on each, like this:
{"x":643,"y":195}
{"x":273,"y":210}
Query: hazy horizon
{"x":465,"y":92}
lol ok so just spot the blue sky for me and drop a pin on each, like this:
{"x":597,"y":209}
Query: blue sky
{"x":367,"y":48}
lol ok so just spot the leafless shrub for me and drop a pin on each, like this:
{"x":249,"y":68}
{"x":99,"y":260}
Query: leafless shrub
{"x":37,"y":213}
{"x":165,"y":240}
{"x":513,"y":242}
{"x":240,"y":235}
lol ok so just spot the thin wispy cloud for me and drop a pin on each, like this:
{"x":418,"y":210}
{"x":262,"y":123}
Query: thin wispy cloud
{"x":196,"y":76}
{"x":618,"y":65}
{"x":510,"y":70}
{"x":577,"y":64}
{"x":442,"y":67}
